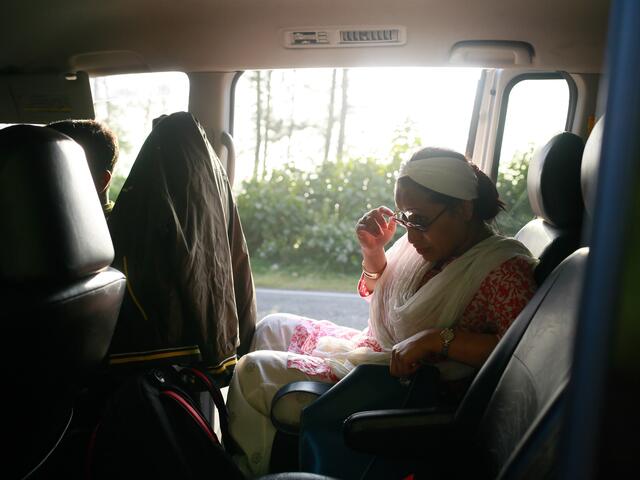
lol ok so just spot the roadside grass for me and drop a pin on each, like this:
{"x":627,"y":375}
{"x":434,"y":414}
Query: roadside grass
{"x":288,"y":278}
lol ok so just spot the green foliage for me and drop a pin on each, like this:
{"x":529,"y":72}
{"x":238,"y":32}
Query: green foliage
{"x":512,"y":187}
{"x":307,"y":219}
{"x":117,"y":181}
{"x":405,"y":142}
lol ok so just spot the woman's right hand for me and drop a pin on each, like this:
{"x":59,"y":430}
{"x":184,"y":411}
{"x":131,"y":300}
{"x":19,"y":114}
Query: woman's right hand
{"x":375,"y":229}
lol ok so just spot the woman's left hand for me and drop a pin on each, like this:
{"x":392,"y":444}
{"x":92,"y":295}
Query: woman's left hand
{"x":407,"y":355}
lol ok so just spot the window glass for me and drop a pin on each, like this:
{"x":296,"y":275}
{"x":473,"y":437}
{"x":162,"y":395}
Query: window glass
{"x":312,"y":116}
{"x":537,"y":110}
{"x":129,"y":103}
{"x":317,"y":148}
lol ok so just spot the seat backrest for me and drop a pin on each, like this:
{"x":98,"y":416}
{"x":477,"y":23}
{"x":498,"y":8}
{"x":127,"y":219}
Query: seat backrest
{"x":535,"y":455}
{"x":590,"y":164}
{"x":553,"y":186}
{"x":539,"y":366}
{"x":60,"y":301}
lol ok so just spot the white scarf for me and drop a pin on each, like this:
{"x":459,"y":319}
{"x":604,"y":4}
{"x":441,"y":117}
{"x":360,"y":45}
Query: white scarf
{"x":400,"y":307}
{"x":448,"y":175}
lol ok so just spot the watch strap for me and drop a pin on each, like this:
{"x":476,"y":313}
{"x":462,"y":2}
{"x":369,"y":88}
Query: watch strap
{"x":447,"y":335}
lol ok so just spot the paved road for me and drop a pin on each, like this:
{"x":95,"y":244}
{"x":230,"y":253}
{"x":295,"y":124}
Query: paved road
{"x":342,"y":308}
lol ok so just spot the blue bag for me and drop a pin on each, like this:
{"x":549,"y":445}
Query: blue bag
{"x":367,"y":387}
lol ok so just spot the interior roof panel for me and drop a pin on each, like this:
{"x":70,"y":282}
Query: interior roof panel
{"x":209,"y":35}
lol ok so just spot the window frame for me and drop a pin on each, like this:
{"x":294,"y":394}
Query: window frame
{"x":475,"y":114}
{"x":571,"y":109}
{"x":232,"y":101}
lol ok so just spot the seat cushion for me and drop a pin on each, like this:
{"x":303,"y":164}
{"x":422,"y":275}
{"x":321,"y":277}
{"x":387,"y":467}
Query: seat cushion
{"x":62,"y":333}
{"x":550,"y":244}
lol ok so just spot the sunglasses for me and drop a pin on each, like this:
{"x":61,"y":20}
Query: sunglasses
{"x":402,"y":219}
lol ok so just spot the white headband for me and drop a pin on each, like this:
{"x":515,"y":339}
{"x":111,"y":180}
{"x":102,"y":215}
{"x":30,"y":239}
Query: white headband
{"x":449,"y":176}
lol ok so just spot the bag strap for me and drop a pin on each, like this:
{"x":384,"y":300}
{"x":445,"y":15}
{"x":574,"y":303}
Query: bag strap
{"x":206,"y":380}
{"x":181,"y":401}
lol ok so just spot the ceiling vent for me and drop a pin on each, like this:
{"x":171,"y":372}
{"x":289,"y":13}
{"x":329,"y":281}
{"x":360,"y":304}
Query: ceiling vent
{"x":340,"y":37}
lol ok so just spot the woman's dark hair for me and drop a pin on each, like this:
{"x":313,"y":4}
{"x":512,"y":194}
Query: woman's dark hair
{"x":488,"y":204}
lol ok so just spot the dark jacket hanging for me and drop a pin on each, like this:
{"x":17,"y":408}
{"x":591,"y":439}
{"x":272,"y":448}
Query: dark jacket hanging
{"x":178,"y":238}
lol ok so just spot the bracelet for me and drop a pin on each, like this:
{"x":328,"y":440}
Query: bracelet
{"x":373,"y":275}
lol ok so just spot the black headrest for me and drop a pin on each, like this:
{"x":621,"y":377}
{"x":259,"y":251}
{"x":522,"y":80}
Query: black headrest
{"x":553,"y":181}
{"x":590,"y":162}
{"x":53,"y":227}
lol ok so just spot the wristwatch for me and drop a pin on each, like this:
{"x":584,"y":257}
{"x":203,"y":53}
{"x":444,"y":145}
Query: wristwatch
{"x":447,"y":335}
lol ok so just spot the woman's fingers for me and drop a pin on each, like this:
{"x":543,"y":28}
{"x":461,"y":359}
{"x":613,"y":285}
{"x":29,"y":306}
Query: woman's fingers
{"x":381,"y":216}
{"x":392,"y":227}
{"x":393,"y":365}
{"x":385,"y":210}
{"x":380,"y":223}
{"x":399,"y":370}
{"x":375,"y":228}
{"x":400,"y":367}
{"x":368,"y":228}
{"x":379,"y":213}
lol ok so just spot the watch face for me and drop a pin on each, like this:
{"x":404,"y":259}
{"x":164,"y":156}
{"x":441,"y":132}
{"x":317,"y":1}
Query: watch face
{"x":447,"y":335}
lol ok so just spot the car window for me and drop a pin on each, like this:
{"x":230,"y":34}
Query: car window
{"x":129,"y":103}
{"x":317,"y":148}
{"x":537,"y":110}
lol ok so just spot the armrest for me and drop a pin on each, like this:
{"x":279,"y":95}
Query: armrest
{"x":308,"y":387}
{"x":375,"y":383}
{"x":400,"y":432}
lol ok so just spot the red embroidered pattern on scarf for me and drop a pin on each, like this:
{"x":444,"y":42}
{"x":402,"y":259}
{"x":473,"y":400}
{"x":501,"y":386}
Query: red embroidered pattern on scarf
{"x":501,"y":296}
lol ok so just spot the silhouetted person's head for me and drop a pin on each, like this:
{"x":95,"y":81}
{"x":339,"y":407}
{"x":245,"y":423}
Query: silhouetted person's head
{"x":100,"y":146}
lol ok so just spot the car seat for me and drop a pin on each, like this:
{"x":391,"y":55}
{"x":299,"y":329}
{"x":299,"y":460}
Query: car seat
{"x":553,"y":186}
{"x":60,"y":300}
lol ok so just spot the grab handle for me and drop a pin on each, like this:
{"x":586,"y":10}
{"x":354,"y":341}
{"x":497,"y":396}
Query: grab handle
{"x":227,"y":141}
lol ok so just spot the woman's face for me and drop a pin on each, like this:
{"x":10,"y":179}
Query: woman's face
{"x":448,"y":227}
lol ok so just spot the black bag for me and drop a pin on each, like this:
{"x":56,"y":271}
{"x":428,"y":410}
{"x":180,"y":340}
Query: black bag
{"x":153,"y":428}
{"x":368,"y":387}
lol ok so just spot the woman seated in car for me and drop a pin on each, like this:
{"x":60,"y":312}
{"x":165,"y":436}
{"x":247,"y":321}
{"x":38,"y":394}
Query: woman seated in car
{"x":443,"y":294}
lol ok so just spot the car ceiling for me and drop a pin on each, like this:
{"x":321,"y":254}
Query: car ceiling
{"x":226,"y":35}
